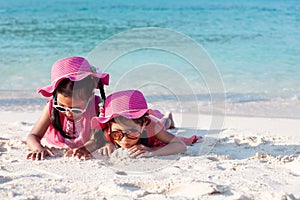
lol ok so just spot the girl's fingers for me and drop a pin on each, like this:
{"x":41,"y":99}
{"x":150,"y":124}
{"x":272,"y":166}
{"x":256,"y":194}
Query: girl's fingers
{"x":133,"y":149}
{"x":146,"y":154}
{"x":50,"y":152}
{"x":34,"y":156}
{"x":140,"y":155}
{"x":106,"y":151}
{"x":77,"y":154}
{"x":69,"y":153}
{"x":112,"y":149}
{"x":137,"y":148}
{"x":29,"y":156}
{"x":38,"y":156}
{"x":101,"y":152}
{"x":88,"y":156}
{"x":136,"y":153}
{"x":43,"y":155}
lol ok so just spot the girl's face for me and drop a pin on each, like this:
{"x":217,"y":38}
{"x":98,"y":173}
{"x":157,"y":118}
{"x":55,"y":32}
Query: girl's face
{"x":125,"y":142}
{"x":69,"y":103}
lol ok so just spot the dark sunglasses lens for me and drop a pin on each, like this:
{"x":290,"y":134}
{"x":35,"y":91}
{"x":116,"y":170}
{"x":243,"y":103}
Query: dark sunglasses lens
{"x":116,"y":135}
{"x":133,"y":134}
{"x":132,"y":137}
{"x":76,"y":111}
{"x":61,"y":109}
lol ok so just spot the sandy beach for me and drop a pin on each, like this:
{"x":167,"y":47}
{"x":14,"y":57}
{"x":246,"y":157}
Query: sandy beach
{"x":249,"y":158}
{"x":188,"y":58}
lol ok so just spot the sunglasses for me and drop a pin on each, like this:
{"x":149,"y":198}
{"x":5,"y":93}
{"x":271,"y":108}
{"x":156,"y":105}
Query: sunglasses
{"x":76,"y":111}
{"x":130,"y":134}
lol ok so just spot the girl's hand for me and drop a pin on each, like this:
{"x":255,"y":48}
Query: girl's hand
{"x":107,"y":149}
{"x":140,"y":151}
{"x":146,"y":154}
{"x":40,"y":154}
{"x":80,"y":153}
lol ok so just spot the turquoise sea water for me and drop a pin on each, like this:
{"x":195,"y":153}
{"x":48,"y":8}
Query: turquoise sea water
{"x":254,"y":44}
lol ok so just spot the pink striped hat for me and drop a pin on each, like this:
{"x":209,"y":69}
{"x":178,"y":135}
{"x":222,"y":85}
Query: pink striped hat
{"x":74,"y":68}
{"x":128,"y":103}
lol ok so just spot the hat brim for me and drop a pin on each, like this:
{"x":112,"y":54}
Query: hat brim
{"x":47,"y":91}
{"x":101,"y":122}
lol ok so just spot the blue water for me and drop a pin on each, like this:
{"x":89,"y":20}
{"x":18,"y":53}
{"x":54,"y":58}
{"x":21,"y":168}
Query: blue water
{"x":254,"y":44}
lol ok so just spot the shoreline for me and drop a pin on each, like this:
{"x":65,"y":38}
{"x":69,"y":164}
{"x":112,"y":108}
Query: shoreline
{"x":273,"y":111}
{"x":274,"y":108}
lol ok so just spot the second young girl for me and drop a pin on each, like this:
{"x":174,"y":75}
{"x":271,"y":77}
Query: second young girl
{"x":128,"y":123}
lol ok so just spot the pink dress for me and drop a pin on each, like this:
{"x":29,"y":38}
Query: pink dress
{"x":82,"y":127}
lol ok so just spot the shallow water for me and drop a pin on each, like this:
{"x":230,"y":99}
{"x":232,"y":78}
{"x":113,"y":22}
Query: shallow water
{"x":255,"y":47}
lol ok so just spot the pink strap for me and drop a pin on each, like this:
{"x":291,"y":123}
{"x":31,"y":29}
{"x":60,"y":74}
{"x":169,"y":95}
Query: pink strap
{"x":191,"y":140}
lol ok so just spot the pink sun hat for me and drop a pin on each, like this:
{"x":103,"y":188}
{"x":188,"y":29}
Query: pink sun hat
{"x":74,"y":68}
{"x":128,"y":103}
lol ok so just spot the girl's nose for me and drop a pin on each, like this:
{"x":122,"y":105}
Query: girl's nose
{"x":68,"y":113}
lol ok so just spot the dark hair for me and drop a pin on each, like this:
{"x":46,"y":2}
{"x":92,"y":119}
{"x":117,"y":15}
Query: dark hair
{"x":102,"y":92}
{"x":78,"y":90}
{"x":82,"y":89}
{"x":124,"y":120}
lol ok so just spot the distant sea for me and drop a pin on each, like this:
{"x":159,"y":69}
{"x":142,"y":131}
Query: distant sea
{"x":255,"y":46}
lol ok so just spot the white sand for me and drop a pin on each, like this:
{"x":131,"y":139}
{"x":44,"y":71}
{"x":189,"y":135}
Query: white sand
{"x":249,"y":158}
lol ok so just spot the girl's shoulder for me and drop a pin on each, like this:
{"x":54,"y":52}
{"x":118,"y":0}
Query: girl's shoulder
{"x":154,"y":126}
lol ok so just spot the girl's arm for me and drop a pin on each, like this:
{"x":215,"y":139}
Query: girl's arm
{"x":174,"y":146}
{"x":107,"y":147}
{"x":96,"y":141}
{"x":37,"y":133}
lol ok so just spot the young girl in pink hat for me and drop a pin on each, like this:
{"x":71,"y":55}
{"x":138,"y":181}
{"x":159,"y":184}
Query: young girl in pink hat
{"x":66,"y":119}
{"x":128,"y":123}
